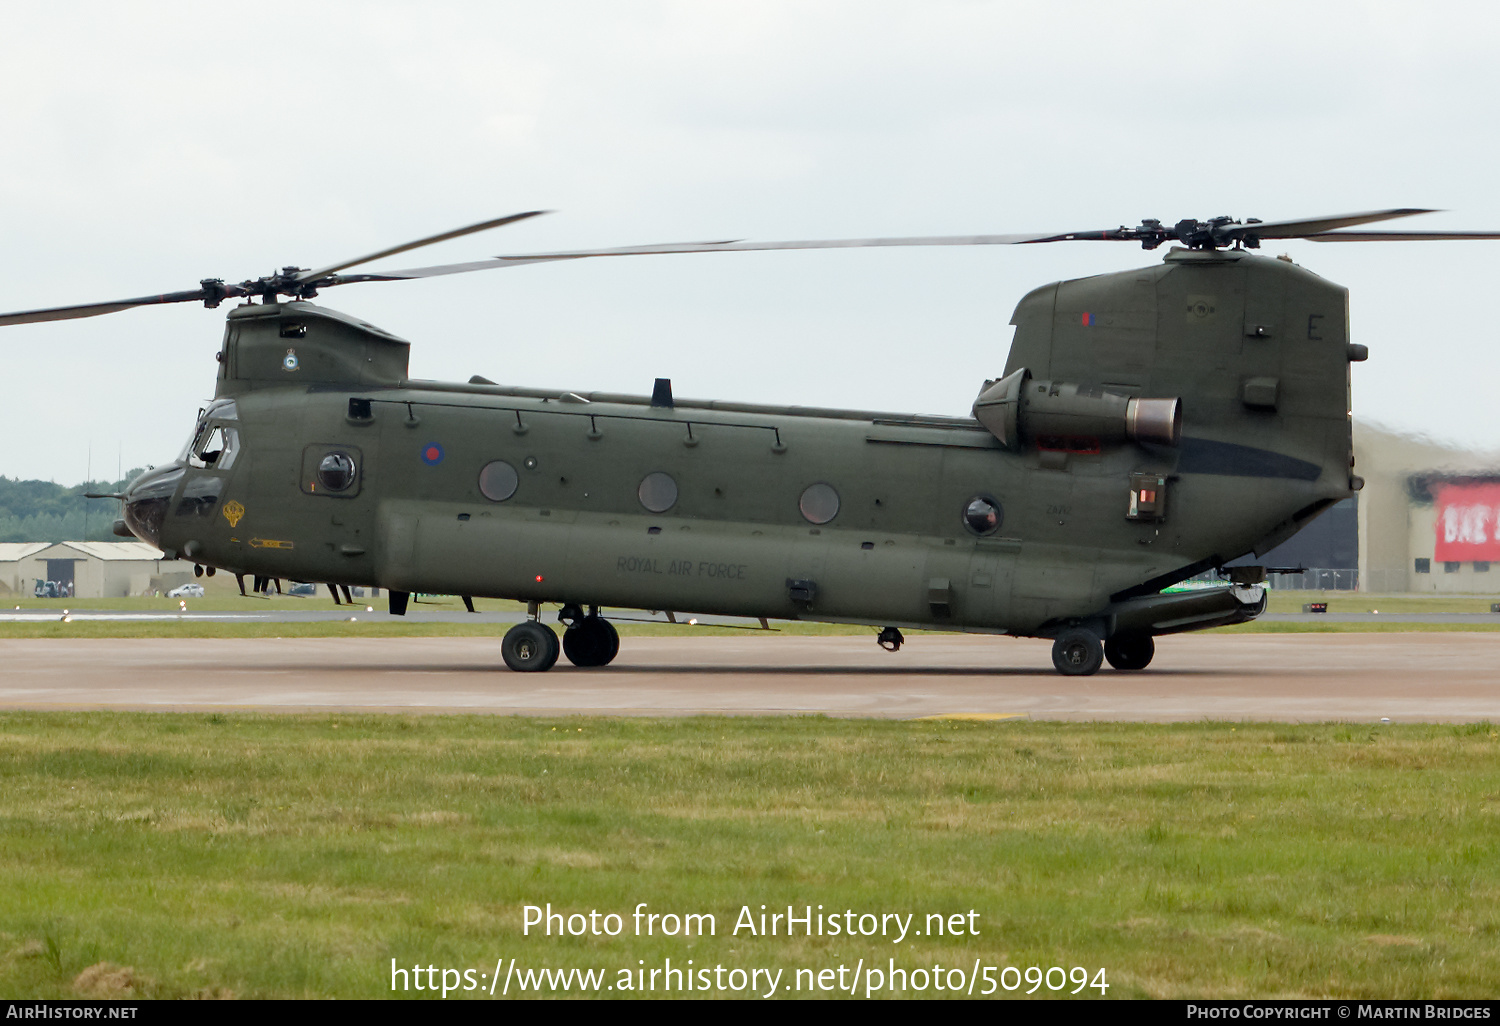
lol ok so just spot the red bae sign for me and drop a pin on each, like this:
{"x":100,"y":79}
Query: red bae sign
{"x":1468,"y":523}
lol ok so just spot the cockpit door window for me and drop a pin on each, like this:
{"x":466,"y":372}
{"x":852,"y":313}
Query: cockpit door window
{"x":215,"y":448}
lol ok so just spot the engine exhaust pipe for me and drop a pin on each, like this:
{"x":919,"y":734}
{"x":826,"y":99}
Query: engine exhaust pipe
{"x":1154,"y":420}
{"x":1019,"y":408}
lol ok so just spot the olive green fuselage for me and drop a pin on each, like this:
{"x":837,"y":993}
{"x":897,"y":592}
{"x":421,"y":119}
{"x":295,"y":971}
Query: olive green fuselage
{"x":1256,"y":350}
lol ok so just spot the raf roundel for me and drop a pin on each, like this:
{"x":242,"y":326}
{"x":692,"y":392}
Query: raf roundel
{"x":432,"y":454}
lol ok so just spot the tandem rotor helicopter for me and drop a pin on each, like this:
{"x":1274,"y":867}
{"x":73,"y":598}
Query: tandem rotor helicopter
{"x":1149,"y":425}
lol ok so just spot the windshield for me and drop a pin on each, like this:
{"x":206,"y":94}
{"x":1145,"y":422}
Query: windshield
{"x":213,"y":444}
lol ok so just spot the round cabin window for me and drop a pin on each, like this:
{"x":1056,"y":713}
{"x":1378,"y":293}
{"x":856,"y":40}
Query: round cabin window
{"x":983,"y":515}
{"x":819,"y":503}
{"x":498,"y":481}
{"x":336,"y":471}
{"x":658,"y":492}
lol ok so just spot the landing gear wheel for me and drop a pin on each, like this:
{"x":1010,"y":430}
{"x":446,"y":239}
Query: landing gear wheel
{"x":593,"y":642}
{"x":529,"y":647}
{"x":1130,"y":651}
{"x":1077,"y":652}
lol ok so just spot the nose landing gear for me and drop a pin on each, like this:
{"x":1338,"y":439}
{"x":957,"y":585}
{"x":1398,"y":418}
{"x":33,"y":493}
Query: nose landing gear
{"x":890,"y":639}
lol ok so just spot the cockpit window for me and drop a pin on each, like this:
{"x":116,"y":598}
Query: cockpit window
{"x":210,"y":435}
{"x":214,"y":448}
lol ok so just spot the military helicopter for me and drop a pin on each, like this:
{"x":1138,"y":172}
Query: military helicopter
{"x":1149,"y":426}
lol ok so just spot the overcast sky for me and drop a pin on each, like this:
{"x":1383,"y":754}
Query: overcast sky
{"x":146,"y":146}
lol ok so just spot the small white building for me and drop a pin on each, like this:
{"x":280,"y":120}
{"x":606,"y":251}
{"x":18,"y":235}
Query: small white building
{"x":88,"y":569}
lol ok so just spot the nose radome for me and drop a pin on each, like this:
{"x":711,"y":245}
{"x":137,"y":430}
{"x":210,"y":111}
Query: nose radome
{"x":147,"y":499}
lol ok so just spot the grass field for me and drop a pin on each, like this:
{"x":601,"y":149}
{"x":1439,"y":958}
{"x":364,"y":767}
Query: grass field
{"x":1392,"y":626}
{"x":219,"y":599}
{"x":374,"y":629}
{"x":222,"y":598}
{"x":369,"y":628}
{"x":1362,"y":602}
{"x":259,"y":856}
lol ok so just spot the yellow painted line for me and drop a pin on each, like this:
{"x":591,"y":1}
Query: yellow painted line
{"x":975,"y":716}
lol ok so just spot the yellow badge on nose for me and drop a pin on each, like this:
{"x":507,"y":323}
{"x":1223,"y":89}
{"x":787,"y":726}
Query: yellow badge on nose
{"x":232,"y":513}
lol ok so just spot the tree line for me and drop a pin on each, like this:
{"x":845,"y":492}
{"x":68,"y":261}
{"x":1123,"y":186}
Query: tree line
{"x":43,"y":511}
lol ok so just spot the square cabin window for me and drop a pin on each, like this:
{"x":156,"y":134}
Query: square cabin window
{"x":1451,"y":568}
{"x":1424,"y":566}
{"x":1481,"y":566}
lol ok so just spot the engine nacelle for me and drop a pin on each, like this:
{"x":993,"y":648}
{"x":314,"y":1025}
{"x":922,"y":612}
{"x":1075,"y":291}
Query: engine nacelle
{"x":1018,"y":408}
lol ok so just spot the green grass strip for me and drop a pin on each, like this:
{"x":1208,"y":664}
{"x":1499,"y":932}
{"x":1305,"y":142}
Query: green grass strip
{"x":154,"y":855}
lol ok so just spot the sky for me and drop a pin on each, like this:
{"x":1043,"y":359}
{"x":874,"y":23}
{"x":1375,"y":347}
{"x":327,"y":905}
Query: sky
{"x":149,"y":145}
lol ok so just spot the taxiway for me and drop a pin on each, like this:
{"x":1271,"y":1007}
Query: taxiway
{"x":1281,"y":677}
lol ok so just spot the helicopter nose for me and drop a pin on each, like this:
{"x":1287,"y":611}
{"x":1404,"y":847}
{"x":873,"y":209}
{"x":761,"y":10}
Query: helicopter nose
{"x":147,"y":499}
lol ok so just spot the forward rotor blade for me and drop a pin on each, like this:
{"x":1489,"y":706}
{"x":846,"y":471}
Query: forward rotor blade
{"x":714,"y":247}
{"x":516,"y":261}
{"x":66,"y":313}
{"x":1399,"y":236}
{"x":741,"y":247}
{"x":1316,"y":225}
{"x":323,"y":272}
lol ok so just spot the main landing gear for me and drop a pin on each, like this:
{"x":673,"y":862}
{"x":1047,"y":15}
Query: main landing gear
{"x":1078,"y":652}
{"x":587,"y":641}
{"x":530,"y":647}
{"x":1130,"y":651}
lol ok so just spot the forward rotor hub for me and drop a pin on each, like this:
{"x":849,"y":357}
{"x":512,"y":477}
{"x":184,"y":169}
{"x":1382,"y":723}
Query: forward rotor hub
{"x":1214,"y":233}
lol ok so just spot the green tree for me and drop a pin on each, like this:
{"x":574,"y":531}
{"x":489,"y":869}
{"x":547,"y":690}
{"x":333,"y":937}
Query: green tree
{"x":42,"y":511}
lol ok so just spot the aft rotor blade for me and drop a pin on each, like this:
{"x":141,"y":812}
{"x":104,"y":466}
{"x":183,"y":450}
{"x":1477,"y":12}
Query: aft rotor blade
{"x":1307,"y":226}
{"x":66,"y":313}
{"x":1400,"y":236}
{"x":323,"y":272}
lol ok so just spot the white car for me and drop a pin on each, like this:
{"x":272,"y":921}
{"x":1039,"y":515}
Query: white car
{"x":186,"y":591}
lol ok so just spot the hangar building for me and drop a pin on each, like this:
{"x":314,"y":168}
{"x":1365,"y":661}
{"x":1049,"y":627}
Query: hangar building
{"x":1429,"y":515}
{"x":88,"y":569}
{"x":1426,"y":520}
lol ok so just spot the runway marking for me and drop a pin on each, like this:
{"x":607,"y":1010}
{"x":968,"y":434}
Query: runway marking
{"x":975,"y":716}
